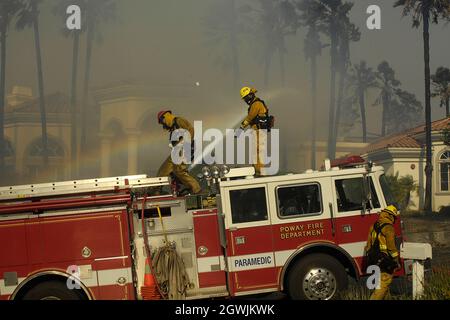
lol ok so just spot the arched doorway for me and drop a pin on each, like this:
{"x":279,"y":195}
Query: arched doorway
{"x":36,"y":171}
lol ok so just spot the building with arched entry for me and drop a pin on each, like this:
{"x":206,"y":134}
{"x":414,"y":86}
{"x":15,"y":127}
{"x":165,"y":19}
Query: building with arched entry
{"x":123,"y":137}
{"x":405,"y":153}
{"x":23,"y":138}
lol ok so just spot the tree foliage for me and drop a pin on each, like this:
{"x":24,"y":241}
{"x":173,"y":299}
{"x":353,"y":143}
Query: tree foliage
{"x":415,"y":8}
{"x":401,"y":188}
{"x":446,"y":135}
{"x":441,"y":85}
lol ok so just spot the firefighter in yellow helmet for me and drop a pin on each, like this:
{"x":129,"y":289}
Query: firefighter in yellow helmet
{"x":259,"y":120}
{"x":172,"y":123}
{"x":382,"y":251}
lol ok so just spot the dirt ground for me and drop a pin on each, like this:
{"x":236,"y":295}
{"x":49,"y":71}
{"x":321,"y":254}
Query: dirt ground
{"x":434,"y":230}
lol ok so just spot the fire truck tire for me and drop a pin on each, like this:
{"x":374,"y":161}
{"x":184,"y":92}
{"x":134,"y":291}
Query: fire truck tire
{"x":316,"y":277}
{"x":53,"y":290}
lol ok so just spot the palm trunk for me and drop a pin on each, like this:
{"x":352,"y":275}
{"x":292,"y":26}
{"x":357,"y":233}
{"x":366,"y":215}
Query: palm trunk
{"x":429,"y":165}
{"x":447,"y":108}
{"x":342,"y":76}
{"x":384,"y":115}
{"x":73,"y":105}
{"x":234,"y":47}
{"x":282,"y":68}
{"x":331,"y":111}
{"x":87,"y":75}
{"x":2,"y":93}
{"x":314,"y":109}
{"x":362,"y":110}
{"x":40,"y":86}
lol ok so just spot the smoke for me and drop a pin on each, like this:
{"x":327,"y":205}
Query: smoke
{"x":160,"y":44}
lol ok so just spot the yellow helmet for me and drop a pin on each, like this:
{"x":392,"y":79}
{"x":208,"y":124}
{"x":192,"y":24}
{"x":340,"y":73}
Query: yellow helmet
{"x":392,"y":210}
{"x":245,"y":91}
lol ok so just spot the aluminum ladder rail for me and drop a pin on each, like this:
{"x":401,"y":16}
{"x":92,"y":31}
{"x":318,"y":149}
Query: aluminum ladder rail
{"x":24,"y":192}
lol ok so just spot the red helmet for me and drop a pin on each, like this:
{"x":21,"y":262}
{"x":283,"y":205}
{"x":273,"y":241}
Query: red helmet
{"x":161,"y":114}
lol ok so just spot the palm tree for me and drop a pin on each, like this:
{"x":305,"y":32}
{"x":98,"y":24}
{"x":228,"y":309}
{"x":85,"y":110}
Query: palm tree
{"x":60,"y":10}
{"x":337,"y":26}
{"x":347,"y":32}
{"x":29,"y":18}
{"x":361,"y":79}
{"x":310,"y":14}
{"x":224,"y":25}
{"x":8,"y":10}
{"x":330,"y":29}
{"x":441,"y":84}
{"x":276,"y":19}
{"x":405,"y":112}
{"x":423,"y":11}
{"x":96,"y":13}
{"x":388,"y":85}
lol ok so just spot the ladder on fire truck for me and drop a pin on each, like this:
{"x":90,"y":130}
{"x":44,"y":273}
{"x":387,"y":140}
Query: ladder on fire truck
{"x":20,"y":198}
{"x":21,"y":192}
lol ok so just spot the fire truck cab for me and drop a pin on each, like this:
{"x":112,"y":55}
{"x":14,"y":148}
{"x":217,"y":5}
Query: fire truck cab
{"x":303,"y":234}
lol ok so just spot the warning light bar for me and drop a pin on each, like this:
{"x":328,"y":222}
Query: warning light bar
{"x":347,"y":162}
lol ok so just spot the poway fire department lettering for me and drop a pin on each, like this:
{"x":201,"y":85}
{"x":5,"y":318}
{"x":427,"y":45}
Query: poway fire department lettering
{"x":299,"y":230}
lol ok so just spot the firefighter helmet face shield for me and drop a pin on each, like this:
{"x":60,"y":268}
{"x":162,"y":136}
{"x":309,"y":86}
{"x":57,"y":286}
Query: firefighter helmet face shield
{"x":245,"y":91}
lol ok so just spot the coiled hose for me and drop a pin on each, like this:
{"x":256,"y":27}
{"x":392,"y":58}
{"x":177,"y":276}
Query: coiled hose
{"x":171,"y":272}
{"x":167,"y":266}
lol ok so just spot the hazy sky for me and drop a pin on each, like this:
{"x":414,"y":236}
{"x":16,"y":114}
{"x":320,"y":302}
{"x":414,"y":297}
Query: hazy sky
{"x":163,"y":41}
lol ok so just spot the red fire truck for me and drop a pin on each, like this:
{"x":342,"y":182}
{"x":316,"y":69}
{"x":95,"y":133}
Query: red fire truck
{"x":303,"y":234}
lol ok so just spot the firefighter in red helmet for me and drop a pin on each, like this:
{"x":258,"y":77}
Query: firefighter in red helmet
{"x":172,"y":123}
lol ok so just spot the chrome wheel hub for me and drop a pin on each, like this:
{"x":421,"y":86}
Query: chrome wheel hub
{"x":319,"y":284}
{"x":50,"y":298}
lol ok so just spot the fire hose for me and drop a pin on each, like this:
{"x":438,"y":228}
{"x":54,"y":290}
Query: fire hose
{"x":166,"y":265}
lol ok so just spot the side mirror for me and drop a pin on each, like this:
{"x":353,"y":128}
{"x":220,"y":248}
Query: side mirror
{"x":366,"y":195}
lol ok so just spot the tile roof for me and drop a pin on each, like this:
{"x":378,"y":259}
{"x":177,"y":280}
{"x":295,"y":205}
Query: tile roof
{"x":405,"y":139}
{"x":54,"y":103}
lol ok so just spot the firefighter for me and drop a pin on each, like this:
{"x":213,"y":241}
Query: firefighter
{"x":382,"y":251}
{"x":259,"y":120}
{"x":172,"y":123}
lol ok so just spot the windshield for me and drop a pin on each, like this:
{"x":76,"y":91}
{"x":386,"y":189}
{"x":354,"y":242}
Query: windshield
{"x":388,"y":196}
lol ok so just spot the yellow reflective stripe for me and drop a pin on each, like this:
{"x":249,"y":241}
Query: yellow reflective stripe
{"x":394,"y":254}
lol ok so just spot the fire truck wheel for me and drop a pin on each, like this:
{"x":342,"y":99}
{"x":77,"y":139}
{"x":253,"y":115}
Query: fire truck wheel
{"x":316,"y":277}
{"x":53,"y":290}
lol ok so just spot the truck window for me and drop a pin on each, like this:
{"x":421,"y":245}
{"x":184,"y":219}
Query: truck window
{"x":294,"y":201}
{"x":350,"y":193}
{"x":248,"y":205}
